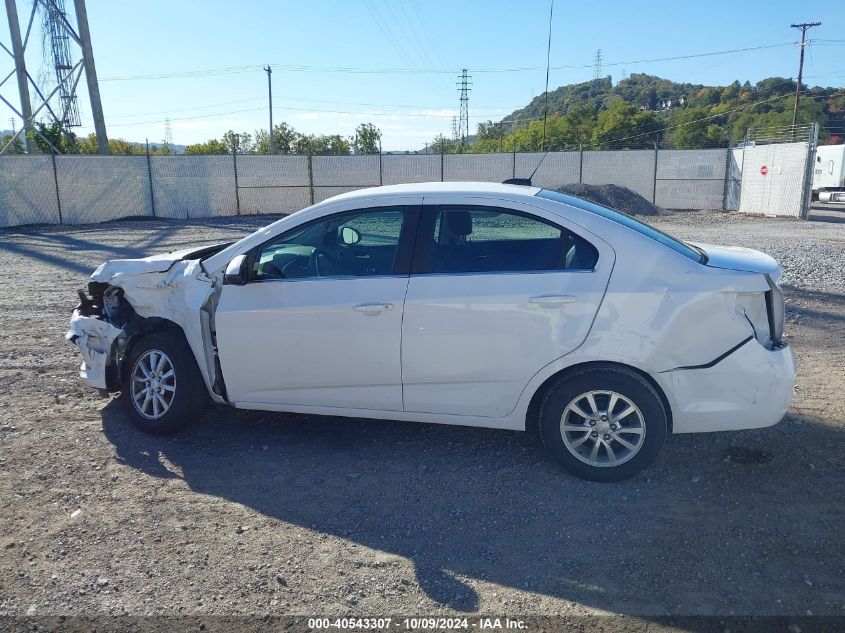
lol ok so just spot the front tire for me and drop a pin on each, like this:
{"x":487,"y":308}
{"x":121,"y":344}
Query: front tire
{"x":163,"y":390}
{"x":603,"y":423}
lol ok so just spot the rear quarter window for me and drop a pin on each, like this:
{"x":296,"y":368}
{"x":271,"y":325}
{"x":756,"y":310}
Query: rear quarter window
{"x":625,"y":220}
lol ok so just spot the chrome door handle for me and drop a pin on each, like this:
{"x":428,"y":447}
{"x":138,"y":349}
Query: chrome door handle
{"x":373,"y":308}
{"x":552,"y":300}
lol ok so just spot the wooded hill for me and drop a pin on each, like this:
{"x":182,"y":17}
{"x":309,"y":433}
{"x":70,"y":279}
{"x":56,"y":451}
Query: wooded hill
{"x":643,"y":108}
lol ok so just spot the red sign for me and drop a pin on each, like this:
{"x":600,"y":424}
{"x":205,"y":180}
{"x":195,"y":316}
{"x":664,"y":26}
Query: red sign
{"x":764,"y":170}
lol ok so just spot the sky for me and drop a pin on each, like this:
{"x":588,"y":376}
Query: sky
{"x":395,"y":63}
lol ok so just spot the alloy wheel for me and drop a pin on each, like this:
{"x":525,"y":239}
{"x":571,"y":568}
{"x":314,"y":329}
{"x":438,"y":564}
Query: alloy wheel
{"x":602,"y":428}
{"x":153,"y":384}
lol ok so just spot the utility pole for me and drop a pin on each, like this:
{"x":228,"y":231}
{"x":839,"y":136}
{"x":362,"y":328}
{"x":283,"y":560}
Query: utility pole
{"x":803,"y":26}
{"x":90,"y":76}
{"x":20,"y":71}
{"x":269,"y":72}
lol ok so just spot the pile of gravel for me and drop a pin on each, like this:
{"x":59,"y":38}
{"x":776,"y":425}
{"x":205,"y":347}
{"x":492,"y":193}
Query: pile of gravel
{"x":614,"y":197}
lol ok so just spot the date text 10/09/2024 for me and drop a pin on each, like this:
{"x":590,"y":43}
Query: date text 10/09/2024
{"x":417,"y":624}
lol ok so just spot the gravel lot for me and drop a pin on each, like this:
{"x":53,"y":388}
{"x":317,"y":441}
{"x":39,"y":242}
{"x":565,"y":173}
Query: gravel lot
{"x":256,"y":513}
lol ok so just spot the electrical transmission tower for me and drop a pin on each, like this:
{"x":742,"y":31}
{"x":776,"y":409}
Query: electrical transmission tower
{"x":597,"y":65}
{"x":168,"y":134}
{"x":455,"y":128}
{"x":464,"y":87}
{"x":61,"y":35}
{"x":53,"y":16}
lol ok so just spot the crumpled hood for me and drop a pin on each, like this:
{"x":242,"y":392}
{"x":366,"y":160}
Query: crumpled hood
{"x":152,"y":264}
{"x":740,"y":258}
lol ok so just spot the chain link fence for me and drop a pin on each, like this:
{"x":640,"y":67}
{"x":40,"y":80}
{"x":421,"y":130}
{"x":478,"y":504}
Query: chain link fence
{"x":82,"y":189}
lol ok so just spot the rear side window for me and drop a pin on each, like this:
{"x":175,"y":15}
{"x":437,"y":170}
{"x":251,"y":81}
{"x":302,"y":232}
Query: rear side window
{"x":489,"y":239}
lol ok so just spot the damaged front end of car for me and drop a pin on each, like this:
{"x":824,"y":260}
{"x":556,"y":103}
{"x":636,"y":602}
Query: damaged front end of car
{"x":130,"y":298}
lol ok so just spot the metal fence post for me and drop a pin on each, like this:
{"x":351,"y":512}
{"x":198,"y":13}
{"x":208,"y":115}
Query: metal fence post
{"x":56,"y":181}
{"x":513,"y":148}
{"x":807,"y":190}
{"x":580,"y":163}
{"x":442,"y":162}
{"x":742,"y":169}
{"x":237,"y":188}
{"x":310,"y":176}
{"x":150,"y":178}
{"x":654,"y":186}
{"x":380,"y":169}
{"x":727,"y":187}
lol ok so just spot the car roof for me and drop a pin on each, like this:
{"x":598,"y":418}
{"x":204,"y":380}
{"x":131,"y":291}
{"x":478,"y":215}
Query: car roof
{"x":431,"y":188}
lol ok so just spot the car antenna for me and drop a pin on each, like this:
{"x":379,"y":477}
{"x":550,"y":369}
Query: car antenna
{"x":527,"y":181}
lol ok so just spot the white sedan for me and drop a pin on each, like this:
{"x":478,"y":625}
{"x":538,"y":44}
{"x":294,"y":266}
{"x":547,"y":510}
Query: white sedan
{"x":500,"y":306}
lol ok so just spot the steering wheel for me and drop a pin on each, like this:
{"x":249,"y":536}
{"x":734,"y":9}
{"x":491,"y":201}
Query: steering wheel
{"x":316,"y":254}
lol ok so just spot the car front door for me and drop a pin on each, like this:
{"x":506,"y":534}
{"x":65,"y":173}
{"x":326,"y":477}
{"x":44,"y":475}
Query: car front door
{"x":496,"y":293}
{"x":319,"y":321}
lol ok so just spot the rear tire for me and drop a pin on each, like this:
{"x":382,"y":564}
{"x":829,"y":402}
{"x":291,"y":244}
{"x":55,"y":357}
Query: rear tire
{"x":603,"y":423}
{"x":163,"y":390}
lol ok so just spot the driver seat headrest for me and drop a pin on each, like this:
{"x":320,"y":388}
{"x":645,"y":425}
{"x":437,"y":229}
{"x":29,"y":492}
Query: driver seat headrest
{"x":458,"y":223}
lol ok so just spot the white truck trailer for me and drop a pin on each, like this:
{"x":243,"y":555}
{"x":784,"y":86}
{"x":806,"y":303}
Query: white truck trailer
{"x":829,"y":174}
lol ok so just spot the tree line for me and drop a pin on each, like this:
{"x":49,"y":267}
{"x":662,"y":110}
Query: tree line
{"x":286,"y":140}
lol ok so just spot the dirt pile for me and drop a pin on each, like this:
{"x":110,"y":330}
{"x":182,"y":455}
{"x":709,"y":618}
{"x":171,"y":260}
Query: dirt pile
{"x":614,"y":197}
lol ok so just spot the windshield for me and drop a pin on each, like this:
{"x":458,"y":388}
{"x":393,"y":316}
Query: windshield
{"x":626,"y":220}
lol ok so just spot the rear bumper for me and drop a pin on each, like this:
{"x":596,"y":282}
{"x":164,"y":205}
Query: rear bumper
{"x":749,"y":389}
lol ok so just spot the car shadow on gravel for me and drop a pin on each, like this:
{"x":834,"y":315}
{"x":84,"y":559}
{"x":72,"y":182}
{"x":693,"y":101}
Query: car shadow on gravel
{"x":722,"y":523}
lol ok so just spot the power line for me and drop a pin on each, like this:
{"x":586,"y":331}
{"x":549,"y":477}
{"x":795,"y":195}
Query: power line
{"x":412,"y":115}
{"x":253,"y":99}
{"x":417,"y":70}
{"x":435,"y":115}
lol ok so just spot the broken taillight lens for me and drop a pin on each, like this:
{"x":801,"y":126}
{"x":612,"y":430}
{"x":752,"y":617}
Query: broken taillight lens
{"x":775,"y":310}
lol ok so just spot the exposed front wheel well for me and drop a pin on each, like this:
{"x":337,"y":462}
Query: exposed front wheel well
{"x":137,"y":328}
{"x":532,"y":418}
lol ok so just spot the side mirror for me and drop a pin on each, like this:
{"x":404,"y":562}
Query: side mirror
{"x":349,"y":236}
{"x":236,"y":272}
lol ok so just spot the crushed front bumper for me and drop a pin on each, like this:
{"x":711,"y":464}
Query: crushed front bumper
{"x":94,"y":338}
{"x":748,"y":389}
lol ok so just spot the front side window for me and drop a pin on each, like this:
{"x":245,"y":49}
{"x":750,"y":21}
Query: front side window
{"x":489,"y":239}
{"x":352,"y":244}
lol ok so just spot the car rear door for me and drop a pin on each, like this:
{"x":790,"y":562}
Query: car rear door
{"x":496,"y":293}
{"x":319,"y":322}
